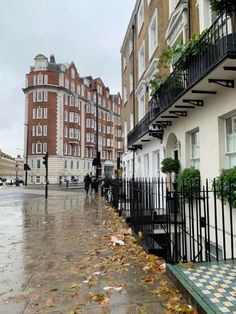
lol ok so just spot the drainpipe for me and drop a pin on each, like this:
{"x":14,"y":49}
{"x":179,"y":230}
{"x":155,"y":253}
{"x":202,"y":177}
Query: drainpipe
{"x":189,"y":19}
{"x":133,"y":42}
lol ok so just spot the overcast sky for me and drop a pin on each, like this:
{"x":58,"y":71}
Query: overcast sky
{"x":88,"y":32}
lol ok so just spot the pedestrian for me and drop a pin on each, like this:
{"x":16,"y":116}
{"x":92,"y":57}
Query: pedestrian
{"x":93,"y":184}
{"x":87,"y":182}
{"x":106,"y":186}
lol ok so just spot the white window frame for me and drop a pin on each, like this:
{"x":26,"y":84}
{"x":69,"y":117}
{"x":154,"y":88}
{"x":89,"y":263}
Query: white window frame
{"x":130,"y":82}
{"x":140,"y":16}
{"x":195,"y":149}
{"x":45,"y":130}
{"x":141,"y":60}
{"x":39,"y":113}
{"x":39,"y":130}
{"x":45,"y":96}
{"x":156,"y":165}
{"x":153,"y":34}
{"x":38,"y":148}
{"x":39,"y":95}
{"x":141,"y":106}
{"x":45,"y":113}
{"x":125,"y":93}
{"x":45,"y":148}
{"x":71,"y":116}
{"x":33,"y":130}
{"x":230,"y":140}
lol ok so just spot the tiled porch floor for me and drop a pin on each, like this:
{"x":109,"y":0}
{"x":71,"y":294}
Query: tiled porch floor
{"x":211,"y":285}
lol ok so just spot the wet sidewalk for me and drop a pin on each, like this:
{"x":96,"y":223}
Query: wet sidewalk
{"x":56,"y":256}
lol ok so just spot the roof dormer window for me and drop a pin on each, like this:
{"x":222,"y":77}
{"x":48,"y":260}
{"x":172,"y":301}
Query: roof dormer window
{"x":40,"y":64}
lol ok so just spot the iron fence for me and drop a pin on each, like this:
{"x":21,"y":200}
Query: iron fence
{"x":191,"y":223}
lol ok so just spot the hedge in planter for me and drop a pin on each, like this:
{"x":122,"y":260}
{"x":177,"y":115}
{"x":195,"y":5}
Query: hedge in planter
{"x":225,"y":185}
{"x":189,"y":183}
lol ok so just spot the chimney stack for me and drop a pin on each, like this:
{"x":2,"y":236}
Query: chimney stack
{"x":52,"y":59}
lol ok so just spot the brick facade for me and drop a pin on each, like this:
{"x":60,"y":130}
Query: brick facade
{"x":60,"y":118}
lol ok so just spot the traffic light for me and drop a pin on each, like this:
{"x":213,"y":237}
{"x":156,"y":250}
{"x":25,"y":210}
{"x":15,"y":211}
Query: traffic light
{"x":97,"y":161}
{"x":99,"y":158}
{"x":26,"y":167}
{"x":118,"y":162}
{"x":45,"y":159}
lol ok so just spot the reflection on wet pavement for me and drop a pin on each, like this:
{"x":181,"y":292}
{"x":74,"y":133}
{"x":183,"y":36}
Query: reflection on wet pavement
{"x":56,"y":257}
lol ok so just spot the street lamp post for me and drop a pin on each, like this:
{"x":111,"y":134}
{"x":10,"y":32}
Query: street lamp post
{"x":96,"y":143}
{"x":17,"y":179}
{"x":26,"y":167}
{"x":97,"y":152}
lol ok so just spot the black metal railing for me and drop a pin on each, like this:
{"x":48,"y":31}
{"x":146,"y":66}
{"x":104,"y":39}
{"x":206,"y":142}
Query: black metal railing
{"x":140,"y":129}
{"x":216,"y":43}
{"x":191,"y":223}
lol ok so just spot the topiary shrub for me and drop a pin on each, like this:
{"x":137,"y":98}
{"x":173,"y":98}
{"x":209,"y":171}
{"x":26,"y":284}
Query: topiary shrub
{"x":170,"y":165}
{"x":189,"y":182}
{"x":226,"y":183}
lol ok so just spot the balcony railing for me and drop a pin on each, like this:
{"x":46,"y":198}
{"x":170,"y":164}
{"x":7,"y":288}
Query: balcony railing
{"x":214,"y":45}
{"x":140,"y":129}
{"x":218,"y":42}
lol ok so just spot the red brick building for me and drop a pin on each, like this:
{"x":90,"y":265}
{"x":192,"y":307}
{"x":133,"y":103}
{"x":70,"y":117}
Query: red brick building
{"x":60,"y":118}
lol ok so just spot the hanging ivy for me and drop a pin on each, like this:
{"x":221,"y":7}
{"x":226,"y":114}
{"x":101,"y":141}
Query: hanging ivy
{"x":175,"y":56}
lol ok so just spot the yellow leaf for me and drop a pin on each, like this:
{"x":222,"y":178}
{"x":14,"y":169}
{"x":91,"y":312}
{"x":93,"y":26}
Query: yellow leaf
{"x":163,"y":283}
{"x":72,"y":272}
{"x":50,"y":302}
{"x":140,"y":234}
{"x":149,"y":279}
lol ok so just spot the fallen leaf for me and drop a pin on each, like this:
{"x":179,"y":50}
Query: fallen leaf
{"x":149,"y":279}
{"x":72,"y":272}
{"x":53,"y":289}
{"x":146,"y":268}
{"x":50,"y":302}
{"x":71,"y":288}
{"x":163,"y":283}
{"x":117,"y":237}
{"x":140,"y":234}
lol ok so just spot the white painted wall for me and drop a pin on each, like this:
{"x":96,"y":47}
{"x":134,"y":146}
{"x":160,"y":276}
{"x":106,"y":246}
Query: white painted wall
{"x":210,"y":121}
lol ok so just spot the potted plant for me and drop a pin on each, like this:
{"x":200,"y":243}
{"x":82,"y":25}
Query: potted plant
{"x":170,"y":166}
